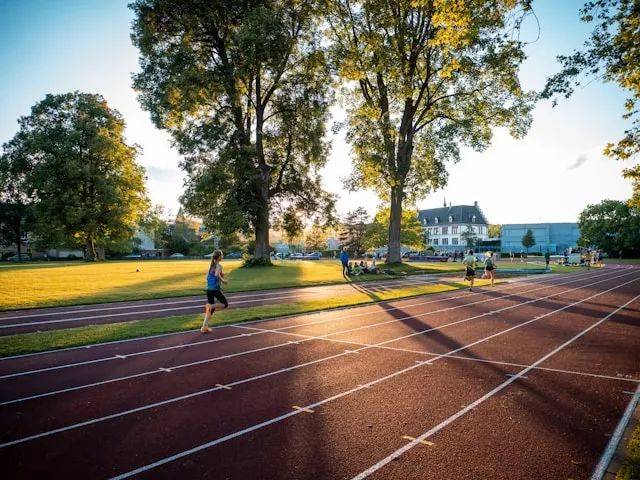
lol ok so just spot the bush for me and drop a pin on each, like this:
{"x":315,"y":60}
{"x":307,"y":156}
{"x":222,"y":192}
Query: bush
{"x":250,"y":262}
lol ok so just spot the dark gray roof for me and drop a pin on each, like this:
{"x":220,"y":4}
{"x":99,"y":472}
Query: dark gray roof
{"x":460,"y":214}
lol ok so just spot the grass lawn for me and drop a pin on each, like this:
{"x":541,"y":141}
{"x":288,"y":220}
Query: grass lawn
{"x":630,"y":469}
{"x":49,"y":340}
{"x":622,"y":261}
{"x":71,"y":283}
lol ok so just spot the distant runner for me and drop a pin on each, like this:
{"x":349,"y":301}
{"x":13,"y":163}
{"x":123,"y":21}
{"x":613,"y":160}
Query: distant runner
{"x":344,"y":258}
{"x":214,"y":279}
{"x":547,"y":257}
{"x":470,"y":268}
{"x":489,"y":268}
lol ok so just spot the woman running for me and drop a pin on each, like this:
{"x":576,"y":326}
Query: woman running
{"x":490,"y":267}
{"x":470,"y":266}
{"x":214,"y":279}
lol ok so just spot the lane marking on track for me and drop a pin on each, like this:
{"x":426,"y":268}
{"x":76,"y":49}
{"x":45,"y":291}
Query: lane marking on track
{"x":225,"y":387}
{"x":280,"y":418}
{"x":129,"y":377}
{"x":514,"y":374}
{"x":244,"y":326}
{"x":601,"y":468}
{"x":303,"y":409}
{"x":120,"y":356}
{"x":628,"y":393}
{"x":198,"y":301}
{"x":549,"y":279}
{"x":423,"y":442}
{"x":168,"y":370}
{"x":491,"y":393}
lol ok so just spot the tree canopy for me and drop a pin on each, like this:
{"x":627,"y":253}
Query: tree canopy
{"x":612,"y":226}
{"x":610,"y":53}
{"x":528,"y":239}
{"x":354,"y":227}
{"x":422,"y":79}
{"x":69,"y":161}
{"x":244,"y":90}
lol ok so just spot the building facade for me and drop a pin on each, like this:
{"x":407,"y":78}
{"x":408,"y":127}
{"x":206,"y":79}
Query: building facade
{"x":554,"y":237}
{"x":444,"y":227}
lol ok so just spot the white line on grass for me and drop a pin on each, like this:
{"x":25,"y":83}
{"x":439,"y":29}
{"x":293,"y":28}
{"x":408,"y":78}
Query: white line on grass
{"x":312,"y":406}
{"x":287,"y":369}
{"x":485,"y":397}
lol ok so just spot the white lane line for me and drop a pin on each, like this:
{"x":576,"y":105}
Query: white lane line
{"x":626,"y":378}
{"x":601,"y":468}
{"x":244,"y":326}
{"x":285,"y":416}
{"x":153,"y":372}
{"x":549,"y":279}
{"x":199,"y":301}
{"x":486,"y":396}
{"x":282,"y":370}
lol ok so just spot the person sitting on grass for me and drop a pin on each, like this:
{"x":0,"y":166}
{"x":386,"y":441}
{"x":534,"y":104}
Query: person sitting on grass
{"x":357,"y":269}
{"x":364,"y":266}
{"x":374,"y":268}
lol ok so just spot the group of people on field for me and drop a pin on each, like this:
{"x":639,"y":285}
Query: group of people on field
{"x":216,"y":278}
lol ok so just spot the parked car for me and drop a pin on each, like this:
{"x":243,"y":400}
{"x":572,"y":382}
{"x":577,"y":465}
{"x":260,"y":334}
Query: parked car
{"x":133,"y":255}
{"x":233,"y":255}
{"x":23,"y":257}
{"x":176,"y":255}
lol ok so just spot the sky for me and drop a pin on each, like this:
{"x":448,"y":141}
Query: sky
{"x":57,"y":46}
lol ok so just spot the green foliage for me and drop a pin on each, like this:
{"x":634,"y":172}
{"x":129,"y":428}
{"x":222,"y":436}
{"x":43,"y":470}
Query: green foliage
{"x":610,"y":53}
{"x":354,"y":227}
{"x":425,"y":77}
{"x":243,"y":89}
{"x":250,"y":262}
{"x":316,"y":238}
{"x":495,"y":230}
{"x":412,"y":233}
{"x":14,"y":219}
{"x":528,"y":240}
{"x":612,"y":226}
{"x":630,"y":468}
{"x":70,"y":161}
{"x":469,"y":237}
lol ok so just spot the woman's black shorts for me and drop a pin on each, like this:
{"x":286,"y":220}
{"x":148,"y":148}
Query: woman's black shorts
{"x":470,"y":272}
{"x":488,"y":269}
{"x":212,"y":295}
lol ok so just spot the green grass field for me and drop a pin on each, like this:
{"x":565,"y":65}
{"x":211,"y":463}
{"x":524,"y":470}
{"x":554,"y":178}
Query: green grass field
{"x":72,"y":337}
{"x":71,"y":283}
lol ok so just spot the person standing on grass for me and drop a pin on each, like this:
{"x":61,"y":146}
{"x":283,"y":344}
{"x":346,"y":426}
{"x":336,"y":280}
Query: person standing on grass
{"x":547,"y":257}
{"x":344,"y":258}
{"x":215,"y":279}
{"x":490,"y":268}
{"x":470,"y":269}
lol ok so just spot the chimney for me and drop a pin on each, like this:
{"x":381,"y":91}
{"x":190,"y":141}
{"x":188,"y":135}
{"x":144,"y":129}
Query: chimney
{"x":475,"y":203}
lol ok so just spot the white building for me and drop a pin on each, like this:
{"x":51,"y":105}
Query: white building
{"x":444,"y":226}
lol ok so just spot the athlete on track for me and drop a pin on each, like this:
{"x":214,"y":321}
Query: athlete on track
{"x":215,"y":278}
{"x":470,"y":268}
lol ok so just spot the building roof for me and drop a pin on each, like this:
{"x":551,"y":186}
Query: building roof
{"x":452,"y":214}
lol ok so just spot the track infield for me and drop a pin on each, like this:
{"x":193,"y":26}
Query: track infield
{"x":527,"y":380}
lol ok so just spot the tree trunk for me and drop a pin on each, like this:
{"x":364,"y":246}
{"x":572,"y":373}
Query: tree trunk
{"x":262,"y":218}
{"x":18,"y":231}
{"x":393,"y":249}
{"x":90,"y":254}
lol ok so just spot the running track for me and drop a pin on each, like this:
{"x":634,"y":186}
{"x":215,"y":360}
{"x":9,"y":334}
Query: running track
{"x":24,"y":321}
{"x":527,"y":381}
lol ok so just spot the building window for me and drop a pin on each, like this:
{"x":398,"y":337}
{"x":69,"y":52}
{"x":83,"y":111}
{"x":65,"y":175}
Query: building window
{"x":445,"y":230}
{"x":435,"y":220}
{"x":434,"y":241}
{"x":450,"y":218}
{"x":435,"y":230}
{"x":454,"y":230}
{"x":473,"y":219}
{"x":454,"y":241}
{"x":445,"y":241}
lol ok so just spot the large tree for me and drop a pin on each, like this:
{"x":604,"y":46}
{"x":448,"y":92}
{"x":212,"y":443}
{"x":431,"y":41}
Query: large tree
{"x":71,"y":163}
{"x":611,"y":53}
{"x":423,"y":78}
{"x":612,"y":226}
{"x":243,"y":88}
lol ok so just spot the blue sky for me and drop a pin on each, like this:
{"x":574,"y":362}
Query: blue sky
{"x":56,"y":46}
